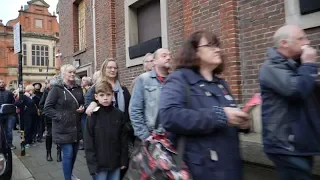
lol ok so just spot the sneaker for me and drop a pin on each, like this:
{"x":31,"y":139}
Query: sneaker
{"x":27,"y":146}
{"x":74,"y":177}
{"x":12,"y":147}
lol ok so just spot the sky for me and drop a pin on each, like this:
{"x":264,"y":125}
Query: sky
{"x":9,"y":8}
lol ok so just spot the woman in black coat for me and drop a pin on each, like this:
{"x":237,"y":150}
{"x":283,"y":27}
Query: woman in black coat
{"x":64,"y":106}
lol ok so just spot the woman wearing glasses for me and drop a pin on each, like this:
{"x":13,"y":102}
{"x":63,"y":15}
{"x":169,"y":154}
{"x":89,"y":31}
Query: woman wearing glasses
{"x":109,"y":73}
{"x":196,"y":104}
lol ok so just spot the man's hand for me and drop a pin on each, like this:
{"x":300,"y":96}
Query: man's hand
{"x":123,"y":167}
{"x":90,"y":108}
{"x":235,"y":116}
{"x":309,"y":55}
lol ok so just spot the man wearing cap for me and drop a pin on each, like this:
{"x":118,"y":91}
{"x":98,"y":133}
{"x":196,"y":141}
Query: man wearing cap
{"x":40,"y":121}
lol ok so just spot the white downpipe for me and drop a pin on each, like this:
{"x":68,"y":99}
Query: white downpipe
{"x":94,"y":34}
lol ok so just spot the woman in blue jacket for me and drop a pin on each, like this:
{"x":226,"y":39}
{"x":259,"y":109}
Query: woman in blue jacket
{"x":196,"y":104}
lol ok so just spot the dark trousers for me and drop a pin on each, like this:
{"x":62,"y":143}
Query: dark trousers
{"x":292,"y":167}
{"x":29,"y":128}
{"x":40,"y":127}
{"x":49,"y":138}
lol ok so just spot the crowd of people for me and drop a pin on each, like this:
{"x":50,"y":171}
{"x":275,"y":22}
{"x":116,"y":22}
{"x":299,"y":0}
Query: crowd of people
{"x":188,"y":97}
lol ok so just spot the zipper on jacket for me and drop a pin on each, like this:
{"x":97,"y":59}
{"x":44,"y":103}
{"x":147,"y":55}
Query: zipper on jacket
{"x":64,"y":92}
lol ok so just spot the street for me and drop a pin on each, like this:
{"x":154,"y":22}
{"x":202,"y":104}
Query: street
{"x":40,"y":169}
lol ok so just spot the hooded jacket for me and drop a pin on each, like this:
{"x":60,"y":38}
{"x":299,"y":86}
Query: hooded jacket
{"x":290,"y":109}
{"x":61,"y":106}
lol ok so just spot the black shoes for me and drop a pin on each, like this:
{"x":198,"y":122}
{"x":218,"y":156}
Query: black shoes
{"x":49,"y":157}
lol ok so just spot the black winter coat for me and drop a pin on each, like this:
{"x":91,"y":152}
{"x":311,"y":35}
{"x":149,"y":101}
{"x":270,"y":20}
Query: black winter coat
{"x":61,"y":107}
{"x":105,"y":140}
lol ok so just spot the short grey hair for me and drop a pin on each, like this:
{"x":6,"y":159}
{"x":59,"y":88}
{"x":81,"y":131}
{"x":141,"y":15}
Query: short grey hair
{"x":283,"y":33}
{"x":146,"y":56}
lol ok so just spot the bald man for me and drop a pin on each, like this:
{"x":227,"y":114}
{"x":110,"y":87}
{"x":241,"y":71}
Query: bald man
{"x":290,"y":118}
{"x":144,"y":106}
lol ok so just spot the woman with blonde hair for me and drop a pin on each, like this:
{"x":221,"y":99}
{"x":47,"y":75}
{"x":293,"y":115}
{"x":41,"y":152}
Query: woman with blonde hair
{"x":109,"y":73}
{"x":64,"y":105}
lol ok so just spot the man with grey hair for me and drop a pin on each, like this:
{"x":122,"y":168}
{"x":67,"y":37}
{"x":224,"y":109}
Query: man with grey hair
{"x":147,"y":66}
{"x":290,"y":118}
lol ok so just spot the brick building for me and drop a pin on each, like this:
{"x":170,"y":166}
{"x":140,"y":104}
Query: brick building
{"x":94,"y":30}
{"x":40,"y":32}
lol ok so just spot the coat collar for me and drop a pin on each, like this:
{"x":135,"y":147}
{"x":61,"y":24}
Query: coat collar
{"x":194,"y":77}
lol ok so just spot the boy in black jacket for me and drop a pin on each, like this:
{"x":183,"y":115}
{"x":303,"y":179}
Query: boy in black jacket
{"x":105,"y":137}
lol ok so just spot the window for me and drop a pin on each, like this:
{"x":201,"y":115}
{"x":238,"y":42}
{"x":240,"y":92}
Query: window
{"x":24,"y":54}
{"x":40,"y":55}
{"x":145,"y":21}
{"x":81,"y":25}
{"x":303,"y":13}
{"x":38,"y":23}
{"x":54,"y":57}
{"x":149,"y":25}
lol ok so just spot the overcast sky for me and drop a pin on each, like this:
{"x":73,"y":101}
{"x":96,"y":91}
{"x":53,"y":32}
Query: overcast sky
{"x":9,"y":8}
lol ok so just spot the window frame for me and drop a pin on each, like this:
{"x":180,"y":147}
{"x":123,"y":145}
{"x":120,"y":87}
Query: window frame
{"x":82,"y":25}
{"x":40,"y":57}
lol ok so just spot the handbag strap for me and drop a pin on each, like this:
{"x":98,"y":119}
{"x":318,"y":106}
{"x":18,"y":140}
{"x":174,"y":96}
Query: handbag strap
{"x":182,"y":139}
{"x":72,"y":96}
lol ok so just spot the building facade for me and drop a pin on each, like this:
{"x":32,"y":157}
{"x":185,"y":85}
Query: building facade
{"x":40,"y":35}
{"x":94,"y":30}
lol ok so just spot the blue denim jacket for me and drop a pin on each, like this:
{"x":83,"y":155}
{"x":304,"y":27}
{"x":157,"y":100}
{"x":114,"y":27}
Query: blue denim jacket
{"x":144,"y":104}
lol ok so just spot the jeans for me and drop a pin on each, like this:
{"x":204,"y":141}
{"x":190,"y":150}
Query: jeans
{"x":108,"y":175}
{"x":69,"y":154}
{"x":10,"y":123}
{"x":292,"y":167}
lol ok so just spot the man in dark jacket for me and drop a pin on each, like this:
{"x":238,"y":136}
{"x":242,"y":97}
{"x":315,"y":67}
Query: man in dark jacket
{"x":6,"y":97}
{"x":48,"y":123}
{"x":40,"y":123}
{"x":291,"y":127}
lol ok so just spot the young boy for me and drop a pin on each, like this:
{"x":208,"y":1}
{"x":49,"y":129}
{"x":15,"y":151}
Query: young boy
{"x":105,"y":137}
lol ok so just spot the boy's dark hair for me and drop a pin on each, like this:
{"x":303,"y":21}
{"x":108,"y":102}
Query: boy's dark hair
{"x":103,"y":87}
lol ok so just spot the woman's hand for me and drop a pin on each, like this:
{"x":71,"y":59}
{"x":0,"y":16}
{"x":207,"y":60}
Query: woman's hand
{"x":80,"y":109}
{"x":236,"y":117}
{"x":123,"y":167}
{"x":90,"y":108}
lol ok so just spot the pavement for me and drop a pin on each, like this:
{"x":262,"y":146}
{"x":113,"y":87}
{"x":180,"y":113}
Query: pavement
{"x":34,"y":166}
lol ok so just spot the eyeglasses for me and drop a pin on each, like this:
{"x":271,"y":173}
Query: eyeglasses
{"x":210,"y":45}
{"x":109,"y":67}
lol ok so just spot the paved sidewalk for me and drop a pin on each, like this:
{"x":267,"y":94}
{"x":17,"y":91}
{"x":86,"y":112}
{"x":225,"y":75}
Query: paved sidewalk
{"x":20,"y":171}
{"x":39,"y":168}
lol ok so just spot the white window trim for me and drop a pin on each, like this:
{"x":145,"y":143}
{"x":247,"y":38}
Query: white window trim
{"x":293,"y":16}
{"x":131,"y":29}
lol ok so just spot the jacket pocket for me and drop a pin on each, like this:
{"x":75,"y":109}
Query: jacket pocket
{"x":150,"y":94}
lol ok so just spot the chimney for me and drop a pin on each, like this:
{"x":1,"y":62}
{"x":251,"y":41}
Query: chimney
{"x":1,"y":24}
{"x":54,"y":13}
{"x":21,"y":8}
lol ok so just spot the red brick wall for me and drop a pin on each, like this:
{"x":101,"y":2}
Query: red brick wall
{"x":126,"y":74}
{"x":105,"y":28}
{"x":258,"y":22}
{"x":68,"y":33}
{"x":244,"y":26}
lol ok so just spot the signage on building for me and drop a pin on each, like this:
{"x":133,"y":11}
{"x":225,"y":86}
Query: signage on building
{"x":17,"y":38}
